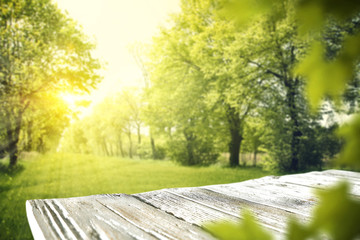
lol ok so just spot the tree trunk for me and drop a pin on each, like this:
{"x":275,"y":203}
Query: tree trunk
{"x":189,"y":137}
{"x":139,"y":134}
{"x":153,"y":149}
{"x":152,"y":142}
{"x":121,"y":147}
{"x":295,"y":128}
{"x":28,"y":145}
{"x":254,"y":160}
{"x":295,"y":149}
{"x":40,"y":146}
{"x":13,"y":154}
{"x":130,"y":145}
{"x":235,"y":134}
{"x":105,"y":149}
{"x":111,"y":147}
{"x":234,"y":147}
{"x":190,"y":152}
{"x":13,"y":138}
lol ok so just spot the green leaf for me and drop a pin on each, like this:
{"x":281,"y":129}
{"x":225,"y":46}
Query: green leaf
{"x":310,"y":15}
{"x":313,"y":69}
{"x":324,"y":77}
{"x":337,"y":217}
{"x":245,"y":11}
{"x":297,"y":231}
{"x":248,"y":229}
{"x":338,"y":214}
{"x":351,"y":152}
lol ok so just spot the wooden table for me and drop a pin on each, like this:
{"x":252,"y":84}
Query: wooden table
{"x":180,"y":213}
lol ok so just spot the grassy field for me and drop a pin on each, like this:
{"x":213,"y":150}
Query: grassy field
{"x":71,"y":175}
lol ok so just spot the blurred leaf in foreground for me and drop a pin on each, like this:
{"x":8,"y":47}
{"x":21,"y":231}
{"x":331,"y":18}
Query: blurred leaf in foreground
{"x":337,"y":215}
{"x":329,"y":78}
{"x":323,"y":77}
{"x":312,"y":13}
{"x":247,"y":229}
{"x":351,"y":151}
{"x":297,"y":231}
{"x":245,"y":11}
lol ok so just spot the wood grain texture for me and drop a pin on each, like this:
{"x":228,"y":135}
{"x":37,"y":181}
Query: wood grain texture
{"x":182,"y":213}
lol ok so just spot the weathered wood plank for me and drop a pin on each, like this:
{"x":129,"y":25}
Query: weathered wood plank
{"x":297,"y":193}
{"x":95,"y":221}
{"x":274,"y":185}
{"x":186,"y":209}
{"x":197,"y":205}
{"x":279,"y":200}
{"x":181,"y":213}
{"x":37,"y":218}
{"x":99,"y":222}
{"x":321,"y":180}
{"x":108,"y":217}
{"x":341,"y":173}
{"x":151,"y":219}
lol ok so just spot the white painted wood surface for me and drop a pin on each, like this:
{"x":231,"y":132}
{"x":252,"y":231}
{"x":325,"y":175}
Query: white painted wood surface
{"x":181,"y":213}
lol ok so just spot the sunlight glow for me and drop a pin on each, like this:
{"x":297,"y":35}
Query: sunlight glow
{"x":69,"y":98}
{"x":115,"y":25}
{"x":75,"y":102}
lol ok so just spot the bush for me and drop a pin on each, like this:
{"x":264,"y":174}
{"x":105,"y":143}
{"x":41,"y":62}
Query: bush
{"x":195,"y":152}
{"x":144,"y":151}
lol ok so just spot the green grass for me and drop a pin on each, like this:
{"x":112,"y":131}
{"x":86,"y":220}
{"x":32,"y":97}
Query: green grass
{"x":71,"y":175}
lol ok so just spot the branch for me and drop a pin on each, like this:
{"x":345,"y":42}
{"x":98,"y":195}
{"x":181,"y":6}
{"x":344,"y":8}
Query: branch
{"x":267,"y":70}
{"x":190,"y":63}
{"x":25,"y":107}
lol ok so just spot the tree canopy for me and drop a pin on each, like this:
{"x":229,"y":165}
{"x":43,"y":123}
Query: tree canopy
{"x":221,"y":75}
{"x":43,"y":53}
{"x":330,"y":69}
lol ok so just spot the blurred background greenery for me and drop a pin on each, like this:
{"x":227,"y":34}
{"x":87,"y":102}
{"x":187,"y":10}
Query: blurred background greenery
{"x":226,"y":84}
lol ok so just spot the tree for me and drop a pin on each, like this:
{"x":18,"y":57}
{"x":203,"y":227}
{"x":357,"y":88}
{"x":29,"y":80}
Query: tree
{"x":74,"y":139}
{"x":198,"y":50}
{"x":179,"y":112}
{"x":336,"y":205}
{"x":43,"y":123}
{"x":138,"y":51}
{"x":42,"y":50}
{"x":109,"y":129}
{"x":275,"y":49}
{"x":331,"y":64}
{"x":254,"y":134}
{"x":133,"y":101}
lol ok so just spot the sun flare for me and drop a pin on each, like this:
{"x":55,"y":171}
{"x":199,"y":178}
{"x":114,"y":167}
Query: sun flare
{"x":75,"y":101}
{"x":70,"y":99}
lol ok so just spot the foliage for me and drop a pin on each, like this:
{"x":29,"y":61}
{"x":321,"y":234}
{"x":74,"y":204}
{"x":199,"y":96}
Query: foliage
{"x":202,"y":151}
{"x":69,"y":175}
{"x":247,"y":230}
{"x":109,"y":129}
{"x":196,"y":60}
{"x":337,"y":214}
{"x":43,"y":53}
{"x":223,"y":77}
{"x":351,"y":152}
{"x":44,"y":123}
{"x":329,"y":142}
{"x":182,"y":117}
{"x":255,"y":134}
